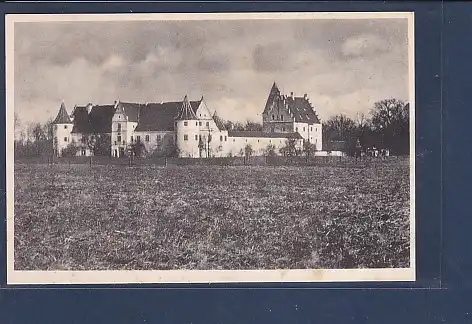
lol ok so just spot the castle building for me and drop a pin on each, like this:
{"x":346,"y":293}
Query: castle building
{"x":189,"y":126}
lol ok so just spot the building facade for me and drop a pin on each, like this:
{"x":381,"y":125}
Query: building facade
{"x":187,"y":128}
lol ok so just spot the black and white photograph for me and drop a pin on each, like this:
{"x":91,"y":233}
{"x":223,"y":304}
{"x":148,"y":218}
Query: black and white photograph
{"x":243,"y":147}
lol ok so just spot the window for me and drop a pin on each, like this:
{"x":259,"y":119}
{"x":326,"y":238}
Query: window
{"x":283,"y":129}
{"x":132,"y":139}
{"x":311,"y":129}
{"x":196,"y":137}
{"x":119,"y":127}
{"x":65,"y":139}
{"x":65,"y":126}
{"x":234,"y":140}
{"x":185,"y":123}
{"x":158,"y":138}
{"x":185,"y":137}
{"x":303,"y":128}
{"x":200,"y":115}
{"x":196,"y":123}
{"x":258,"y":141}
{"x":316,"y":129}
{"x":138,"y":138}
{"x":119,"y":138}
{"x":296,"y":129}
{"x":273,"y":117}
{"x":200,"y":137}
{"x":147,"y":138}
{"x":84,"y":152}
{"x":281,"y":117}
{"x":199,"y":123}
{"x":226,"y":138}
{"x":115,"y":144}
{"x":207,"y":124}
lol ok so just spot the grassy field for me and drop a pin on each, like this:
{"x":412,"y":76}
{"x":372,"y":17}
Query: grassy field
{"x":116,"y":217}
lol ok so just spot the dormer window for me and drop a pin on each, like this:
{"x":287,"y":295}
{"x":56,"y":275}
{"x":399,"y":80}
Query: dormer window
{"x":65,"y":126}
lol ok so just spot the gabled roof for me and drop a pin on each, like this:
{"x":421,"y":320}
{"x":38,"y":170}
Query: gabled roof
{"x":186,"y":111}
{"x":161,"y":116}
{"x":295,"y":135}
{"x":62,"y":116}
{"x":302,"y":110}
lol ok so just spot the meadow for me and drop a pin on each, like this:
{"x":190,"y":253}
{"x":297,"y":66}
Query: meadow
{"x":77,"y":217}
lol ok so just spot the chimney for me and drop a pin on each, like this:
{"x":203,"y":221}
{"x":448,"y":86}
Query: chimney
{"x":291,"y":94}
{"x":89,"y":108}
{"x":305,"y":96}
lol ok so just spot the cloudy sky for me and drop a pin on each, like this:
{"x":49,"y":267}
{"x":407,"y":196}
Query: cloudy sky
{"x":343,"y":65}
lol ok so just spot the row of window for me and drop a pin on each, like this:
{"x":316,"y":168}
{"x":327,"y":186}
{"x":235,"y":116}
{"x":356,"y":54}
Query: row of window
{"x":199,"y":137}
{"x":197,"y":123}
{"x":304,"y":128}
{"x":147,"y":138}
{"x":281,"y":117}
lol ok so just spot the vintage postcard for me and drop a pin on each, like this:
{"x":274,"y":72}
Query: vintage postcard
{"x":195,"y":148}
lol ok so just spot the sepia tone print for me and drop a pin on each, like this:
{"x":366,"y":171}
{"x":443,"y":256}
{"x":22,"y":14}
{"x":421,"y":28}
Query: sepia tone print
{"x":210,"y":148}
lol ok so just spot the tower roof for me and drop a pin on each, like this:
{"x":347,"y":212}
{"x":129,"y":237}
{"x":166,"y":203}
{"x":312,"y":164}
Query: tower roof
{"x":186,"y":112}
{"x":62,"y":116}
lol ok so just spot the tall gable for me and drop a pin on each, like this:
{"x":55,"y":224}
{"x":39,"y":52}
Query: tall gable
{"x":131,"y":110}
{"x":274,"y":98}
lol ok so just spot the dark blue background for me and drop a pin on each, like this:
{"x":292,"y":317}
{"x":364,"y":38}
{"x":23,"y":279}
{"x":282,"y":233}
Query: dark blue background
{"x":443,"y":291}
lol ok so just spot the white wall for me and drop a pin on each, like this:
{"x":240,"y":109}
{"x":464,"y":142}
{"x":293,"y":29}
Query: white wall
{"x":258,"y":144}
{"x":62,"y":136}
{"x":187,"y":138}
{"x":154,"y":139}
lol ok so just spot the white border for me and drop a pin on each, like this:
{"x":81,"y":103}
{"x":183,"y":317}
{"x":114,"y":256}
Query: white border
{"x":198,"y":276}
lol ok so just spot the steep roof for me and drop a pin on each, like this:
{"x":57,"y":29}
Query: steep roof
{"x":81,"y":122}
{"x":161,"y":116}
{"x":186,"y":111}
{"x":97,"y":121}
{"x":131,"y":110}
{"x":263,"y":134}
{"x":100,"y":118}
{"x":302,"y":110}
{"x":274,"y":96}
{"x":62,"y":116}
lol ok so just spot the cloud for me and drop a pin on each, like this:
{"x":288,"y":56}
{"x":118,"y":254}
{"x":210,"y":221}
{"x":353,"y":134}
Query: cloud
{"x":364,"y":45}
{"x":342,"y":65}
